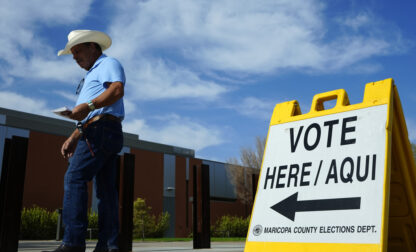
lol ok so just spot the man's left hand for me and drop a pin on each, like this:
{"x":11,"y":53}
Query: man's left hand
{"x":80,"y":112}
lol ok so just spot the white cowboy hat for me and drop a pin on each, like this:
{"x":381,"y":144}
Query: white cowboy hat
{"x":82,"y":36}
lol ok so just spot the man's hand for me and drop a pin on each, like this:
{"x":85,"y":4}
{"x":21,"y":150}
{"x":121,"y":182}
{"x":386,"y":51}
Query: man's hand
{"x":113,"y":93}
{"x":68,"y":147}
{"x":80,"y":112}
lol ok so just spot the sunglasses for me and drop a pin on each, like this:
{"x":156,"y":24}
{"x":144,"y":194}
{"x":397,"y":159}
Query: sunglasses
{"x":80,"y":85}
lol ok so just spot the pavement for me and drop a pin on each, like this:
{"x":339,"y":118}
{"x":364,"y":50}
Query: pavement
{"x":37,"y":246}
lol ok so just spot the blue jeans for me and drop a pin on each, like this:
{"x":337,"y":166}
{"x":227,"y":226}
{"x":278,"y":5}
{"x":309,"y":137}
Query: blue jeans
{"x":106,"y":140}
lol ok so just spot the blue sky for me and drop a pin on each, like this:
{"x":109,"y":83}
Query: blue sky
{"x":206,"y":74}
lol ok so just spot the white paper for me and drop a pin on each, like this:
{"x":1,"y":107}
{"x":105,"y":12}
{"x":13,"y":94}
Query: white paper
{"x":63,"y":111}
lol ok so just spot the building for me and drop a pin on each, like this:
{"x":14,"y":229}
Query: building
{"x":161,"y":171}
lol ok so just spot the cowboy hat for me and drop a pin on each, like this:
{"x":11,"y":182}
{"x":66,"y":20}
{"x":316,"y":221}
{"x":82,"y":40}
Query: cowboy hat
{"x":82,"y":36}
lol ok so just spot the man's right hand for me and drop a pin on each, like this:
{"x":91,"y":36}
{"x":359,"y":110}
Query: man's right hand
{"x":68,"y":147}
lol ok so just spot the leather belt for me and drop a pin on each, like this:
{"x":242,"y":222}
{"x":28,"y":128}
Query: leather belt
{"x":104,"y":117}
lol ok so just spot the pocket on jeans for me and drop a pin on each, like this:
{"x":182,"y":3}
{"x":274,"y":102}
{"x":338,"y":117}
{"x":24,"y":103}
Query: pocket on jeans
{"x":112,"y":141}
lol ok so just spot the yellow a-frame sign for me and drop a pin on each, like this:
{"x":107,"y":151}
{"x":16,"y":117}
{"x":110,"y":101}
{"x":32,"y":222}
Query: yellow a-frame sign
{"x":340,"y":179}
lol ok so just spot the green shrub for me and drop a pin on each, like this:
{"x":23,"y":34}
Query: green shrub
{"x":93,"y":220}
{"x":38,"y":223}
{"x":230,"y":226}
{"x":93,"y":224}
{"x":145,"y":224}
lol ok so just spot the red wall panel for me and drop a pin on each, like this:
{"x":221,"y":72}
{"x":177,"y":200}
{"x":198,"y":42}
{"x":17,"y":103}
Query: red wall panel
{"x":149,"y":178}
{"x":181,"y":230}
{"x":45,"y":170}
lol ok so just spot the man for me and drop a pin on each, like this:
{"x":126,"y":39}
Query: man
{"x":93,"y":146}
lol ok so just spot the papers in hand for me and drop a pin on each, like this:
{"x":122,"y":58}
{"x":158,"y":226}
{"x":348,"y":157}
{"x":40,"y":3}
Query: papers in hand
{"x":64,"y":111}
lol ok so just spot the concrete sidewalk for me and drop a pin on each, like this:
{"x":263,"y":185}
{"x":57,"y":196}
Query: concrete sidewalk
{"x":36,"y":246}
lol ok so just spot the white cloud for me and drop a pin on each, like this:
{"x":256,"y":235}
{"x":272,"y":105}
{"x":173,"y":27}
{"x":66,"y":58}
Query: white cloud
{"x":67,"y":95}
{"x":347,"y":51}
{"x":176,"y":131}
{"x":188,"y":40}
{"x":129,"y":106}
{"x":63,"y":69}
{"x":357,"y":21}
{"x":157,"y":80}
{"x":411,"y":129}
{"x":23,"y":52}
{"x":19,"y":102}
{"x":244,"y":36}
{"x":255,"y":107}
{"x":135,"y":126}
{"x":14,"y":101}
{"x":55,"y":11}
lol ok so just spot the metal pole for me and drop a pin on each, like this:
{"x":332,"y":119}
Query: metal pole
{"x":206,"y":208}
{"x":12,"y":202}
{"x":126,"y":202}
{"x":59,"y":224}
{"x":196,"y":241}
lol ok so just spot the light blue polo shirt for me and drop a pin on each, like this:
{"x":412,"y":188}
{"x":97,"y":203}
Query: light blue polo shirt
{"x":105,"y":70}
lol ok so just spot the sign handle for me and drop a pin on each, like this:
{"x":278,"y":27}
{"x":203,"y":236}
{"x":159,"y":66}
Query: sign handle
{"x":340,"y":95}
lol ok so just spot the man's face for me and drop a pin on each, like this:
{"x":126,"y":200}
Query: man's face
{"x":84,"y":55}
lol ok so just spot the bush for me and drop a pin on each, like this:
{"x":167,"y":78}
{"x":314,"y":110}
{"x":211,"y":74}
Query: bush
{"x":38,"y":223}
{"x":93,"y":220}
{"x":93,"y":224}
{"x":145,"y":224}
{"x":231,"y":226}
